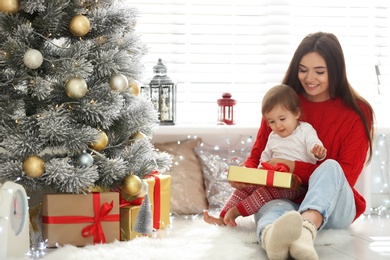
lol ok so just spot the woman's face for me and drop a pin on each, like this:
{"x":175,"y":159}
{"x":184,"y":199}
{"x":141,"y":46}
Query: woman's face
{"x":313,"y":75}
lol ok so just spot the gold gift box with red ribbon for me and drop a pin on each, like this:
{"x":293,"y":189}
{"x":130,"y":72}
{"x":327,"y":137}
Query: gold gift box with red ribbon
{"x":159,"y":192}
{"x":264,"y":177}
{"x":160,"y":198}
{"x":80,"y":219}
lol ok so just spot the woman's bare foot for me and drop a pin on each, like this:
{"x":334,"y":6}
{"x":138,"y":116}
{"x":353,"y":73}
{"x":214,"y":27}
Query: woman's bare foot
{"x":212,"y":220}
{"x":230,"y":217}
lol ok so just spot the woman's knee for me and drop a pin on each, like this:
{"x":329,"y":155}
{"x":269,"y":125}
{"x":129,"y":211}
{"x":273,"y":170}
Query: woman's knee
{"x":330,"y":164}
{"x":328,"y":169}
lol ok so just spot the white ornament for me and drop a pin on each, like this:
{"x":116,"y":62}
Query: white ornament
{"x":118,"y":82}
{"x":33,"y":59}
{"x":76,"y":88}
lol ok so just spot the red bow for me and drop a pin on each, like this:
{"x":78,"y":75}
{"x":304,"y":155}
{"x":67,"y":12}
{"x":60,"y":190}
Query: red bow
{"x":279,"y":167}
{"x":123,"y":202}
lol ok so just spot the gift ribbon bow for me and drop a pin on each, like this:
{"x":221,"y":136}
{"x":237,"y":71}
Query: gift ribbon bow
{"x":123,"y":202}
{"x":279,"y":167}
{"x":95,"y":229}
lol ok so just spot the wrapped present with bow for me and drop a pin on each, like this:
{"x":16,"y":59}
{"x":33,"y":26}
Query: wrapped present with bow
{"x":129,"y":208}
{"x":160,"y":198}
{"x":158,"y":192}
{"x":275,"y":176}
{"x":80,"y":219}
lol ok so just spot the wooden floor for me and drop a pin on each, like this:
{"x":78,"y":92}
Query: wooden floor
{"x":370,"y":240}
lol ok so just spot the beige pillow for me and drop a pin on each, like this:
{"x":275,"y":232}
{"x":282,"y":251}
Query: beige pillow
{"x":188,"y":194}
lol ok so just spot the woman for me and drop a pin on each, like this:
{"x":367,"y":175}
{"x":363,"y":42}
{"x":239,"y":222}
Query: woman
{"x":344,"y":123}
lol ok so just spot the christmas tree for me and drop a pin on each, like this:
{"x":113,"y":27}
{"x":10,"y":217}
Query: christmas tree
{"x":143,"y":223}
{"x":71,"y":116}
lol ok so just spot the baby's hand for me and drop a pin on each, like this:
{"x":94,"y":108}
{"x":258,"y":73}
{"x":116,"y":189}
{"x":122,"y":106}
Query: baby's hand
{"x":319,"y":151}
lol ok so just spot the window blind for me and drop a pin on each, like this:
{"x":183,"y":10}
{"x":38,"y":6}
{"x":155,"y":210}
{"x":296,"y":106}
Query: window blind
{"x":244,"y":47}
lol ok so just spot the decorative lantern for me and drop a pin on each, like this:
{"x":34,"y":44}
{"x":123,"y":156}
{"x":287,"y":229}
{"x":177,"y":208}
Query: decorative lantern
{"x":163,"y":94}
{"x":225,"y":109}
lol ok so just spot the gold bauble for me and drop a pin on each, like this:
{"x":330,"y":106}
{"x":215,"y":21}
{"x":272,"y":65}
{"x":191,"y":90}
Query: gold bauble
{"x":137,"y":136}
{"x":79,"y":25}
{"x":34,"y":166}
{"x":141,"y":194}
{"x":135,"y":89}
{"x":132,"y":185}
{"x":101,"y":143}
{"x":9,"y":6}
{"x":118,"y":82}
{"x":76,"y":88}
{"x":3,"y":54}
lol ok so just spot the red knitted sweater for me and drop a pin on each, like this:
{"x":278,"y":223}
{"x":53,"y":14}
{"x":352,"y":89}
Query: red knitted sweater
{"x":341,"y":131}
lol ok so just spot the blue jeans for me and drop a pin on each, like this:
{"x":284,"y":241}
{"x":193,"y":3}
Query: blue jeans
{"x":329,"y":193}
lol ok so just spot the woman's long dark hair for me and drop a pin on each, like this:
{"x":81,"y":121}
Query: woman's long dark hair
{"x":328,"y":46}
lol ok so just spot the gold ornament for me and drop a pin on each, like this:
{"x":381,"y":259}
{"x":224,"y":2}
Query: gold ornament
{"x":3,"y":54}
{"x":118,"y":82}
{"x":34,"y":166}
{"x":141,"y":194}
{"x":101,"y":143}
{"x":135,"y":89}
{"x":79,"y":25}
{"x":137,"y":136}
{"x":76,"y":88}
{"x":132,"y":185}
{"x":9,"y":6}
{"x":100,"y":40}
{"x":33,"y":59}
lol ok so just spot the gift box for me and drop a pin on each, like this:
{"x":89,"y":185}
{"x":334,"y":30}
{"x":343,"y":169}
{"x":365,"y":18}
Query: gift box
{"x":128,"y":217}
{"x":80,"y":219}
{"x":160,"y":198}
{"x":159,"y":192}
{"x":264,"y":177}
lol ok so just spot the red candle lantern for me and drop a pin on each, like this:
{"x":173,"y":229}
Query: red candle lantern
{"x":225,"y":109}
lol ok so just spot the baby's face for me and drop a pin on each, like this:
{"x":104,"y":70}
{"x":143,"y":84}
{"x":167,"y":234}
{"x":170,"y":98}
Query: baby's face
{"x":282,"y":121}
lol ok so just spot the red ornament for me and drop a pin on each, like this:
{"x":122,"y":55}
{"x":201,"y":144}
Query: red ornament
{"x":225,"y":109}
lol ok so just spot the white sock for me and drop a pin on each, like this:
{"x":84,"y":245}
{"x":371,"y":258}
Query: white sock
{"x":278,"y":236}
{"x":303,"y":248}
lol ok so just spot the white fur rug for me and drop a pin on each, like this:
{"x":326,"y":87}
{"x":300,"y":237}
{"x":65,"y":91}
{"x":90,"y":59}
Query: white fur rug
{"x":187,"y":238}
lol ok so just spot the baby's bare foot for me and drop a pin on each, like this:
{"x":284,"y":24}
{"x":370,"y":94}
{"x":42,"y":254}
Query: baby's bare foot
{"x":212,"y":220}
{"x":230,"y":217}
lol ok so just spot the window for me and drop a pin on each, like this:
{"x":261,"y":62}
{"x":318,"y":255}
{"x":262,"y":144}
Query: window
{"x":244,"y":47}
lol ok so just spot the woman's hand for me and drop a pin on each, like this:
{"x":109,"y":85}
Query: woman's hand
{"x":241,"y":185}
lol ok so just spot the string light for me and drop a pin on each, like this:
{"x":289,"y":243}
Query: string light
{"x":381,"y":178}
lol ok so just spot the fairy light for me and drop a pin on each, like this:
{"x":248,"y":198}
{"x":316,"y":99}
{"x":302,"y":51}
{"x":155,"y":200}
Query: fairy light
{"x":381,"y":180}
